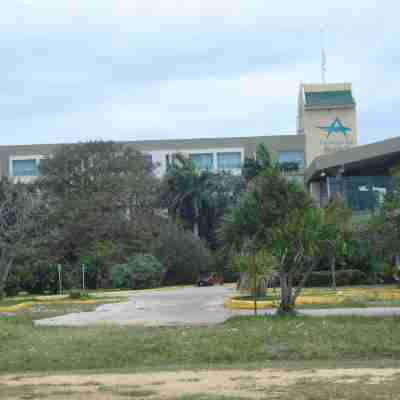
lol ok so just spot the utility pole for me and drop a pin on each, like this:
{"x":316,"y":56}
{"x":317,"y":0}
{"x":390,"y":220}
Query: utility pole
{"x":254,"y":269}
{"x":60,"y":279}
{"x":83,"y":277}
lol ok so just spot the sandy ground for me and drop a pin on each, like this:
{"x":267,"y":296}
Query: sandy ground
{"x":264,"y":383}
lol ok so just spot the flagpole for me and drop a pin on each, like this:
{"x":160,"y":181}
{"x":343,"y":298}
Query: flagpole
{"x":323,"y":57}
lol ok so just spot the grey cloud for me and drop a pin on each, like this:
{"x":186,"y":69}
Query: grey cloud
{"x":88,"y":69}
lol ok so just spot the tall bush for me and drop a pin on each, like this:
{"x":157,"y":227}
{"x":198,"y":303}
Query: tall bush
{"x":182,"y":254}
{"x":100,"y":257}
{"x":40,"y":277}
{"x":142,"y":271}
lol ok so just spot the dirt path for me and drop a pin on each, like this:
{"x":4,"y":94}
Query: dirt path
{"x":210,"y":384}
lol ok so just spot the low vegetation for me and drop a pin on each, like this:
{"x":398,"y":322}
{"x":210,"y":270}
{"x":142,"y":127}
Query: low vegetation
{"x":28,"y":307}
{"x":367,"y":296}
{"x":238,"y":342}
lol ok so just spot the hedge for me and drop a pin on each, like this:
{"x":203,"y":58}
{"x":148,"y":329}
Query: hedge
{"x":344,"y":277}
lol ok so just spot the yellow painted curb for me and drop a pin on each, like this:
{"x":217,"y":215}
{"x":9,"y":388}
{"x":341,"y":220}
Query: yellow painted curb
{"x":69,"y":302}
{"x":29,"y":304}
{"x":307,"y":299}
{"x":235,"y":304}
{"x":17,"y":307}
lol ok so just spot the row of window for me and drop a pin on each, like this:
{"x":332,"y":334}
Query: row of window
{"x":291,"y":157}
{"x":233,"y":160}
{"x":27,"y":167}
{"x":204,"y":161}
{"x":225,"y":161}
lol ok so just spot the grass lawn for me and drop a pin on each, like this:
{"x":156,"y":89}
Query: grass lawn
{"x":239,"y":341}
{"x":306,"y":358}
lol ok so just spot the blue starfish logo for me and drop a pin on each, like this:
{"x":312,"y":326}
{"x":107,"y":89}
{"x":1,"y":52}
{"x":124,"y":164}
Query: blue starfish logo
{"x":336,"y":127}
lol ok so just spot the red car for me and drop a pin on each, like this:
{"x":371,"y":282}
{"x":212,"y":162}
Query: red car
{"x":210,"y":280}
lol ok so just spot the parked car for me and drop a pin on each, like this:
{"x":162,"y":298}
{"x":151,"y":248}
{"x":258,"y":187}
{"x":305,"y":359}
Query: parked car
{"x":210,"y":279}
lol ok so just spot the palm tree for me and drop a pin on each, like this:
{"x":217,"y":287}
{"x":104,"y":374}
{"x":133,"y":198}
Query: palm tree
{"x":253,"y":166}
{"x":199,"y":197}
{"x":186,"y":191}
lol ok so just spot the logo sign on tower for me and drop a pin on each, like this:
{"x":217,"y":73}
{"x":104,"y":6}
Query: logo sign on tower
{"x":332,"y":140}
{"x":335,"y":127}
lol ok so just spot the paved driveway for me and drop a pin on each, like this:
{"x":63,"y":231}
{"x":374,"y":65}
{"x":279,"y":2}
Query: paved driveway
{"x":183,"y":306}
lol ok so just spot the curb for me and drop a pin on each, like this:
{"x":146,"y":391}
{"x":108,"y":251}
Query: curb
{"x":235,"y":304}
{"x":30,"y":304}
{"x":17,"y":307}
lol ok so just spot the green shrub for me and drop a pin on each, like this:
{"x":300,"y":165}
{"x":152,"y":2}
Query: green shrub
{"x":182,"y":254}
{"x":387,"y":272}
{"x":344,"y":277}
{"x":12,"y":287}
{"x":38,"y":277}
{"x":77,"y":294}
{"x":99,"y":259}
{"x":142,"y":271}
{"x":31,"y":272}
{"x":223,"y":263}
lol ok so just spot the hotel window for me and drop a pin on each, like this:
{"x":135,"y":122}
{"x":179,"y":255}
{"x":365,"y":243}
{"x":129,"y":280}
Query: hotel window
{"x":202,"y":160}
{"x":26,"y":167}
{"x":229,"y":160}
{"x":170,"y":159}
{"x":291,"y":157}
{"x":148,"y":158}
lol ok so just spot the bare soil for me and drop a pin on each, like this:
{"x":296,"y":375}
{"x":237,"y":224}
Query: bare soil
{"x":209,"y":384}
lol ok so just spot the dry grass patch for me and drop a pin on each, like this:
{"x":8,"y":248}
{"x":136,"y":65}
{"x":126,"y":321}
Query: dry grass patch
{"x":317,"y":384}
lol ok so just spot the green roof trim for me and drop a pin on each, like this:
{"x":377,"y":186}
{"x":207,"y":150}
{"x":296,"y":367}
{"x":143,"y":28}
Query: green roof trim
{"x":329,"y":98}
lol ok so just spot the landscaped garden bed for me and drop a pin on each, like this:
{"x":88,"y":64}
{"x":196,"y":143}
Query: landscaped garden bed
{"x":325,"y":297}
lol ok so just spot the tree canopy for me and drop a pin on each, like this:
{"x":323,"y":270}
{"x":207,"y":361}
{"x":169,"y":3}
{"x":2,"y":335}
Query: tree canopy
{"x":98,"y":191}
{"x":277,"y":215}
{"x":268,"y":201}
{"x":197,"y":198}
{"x":20,"y":222}
{"x":252,"y":166}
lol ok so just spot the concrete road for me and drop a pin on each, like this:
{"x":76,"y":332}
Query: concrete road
{"x":183,"y":306}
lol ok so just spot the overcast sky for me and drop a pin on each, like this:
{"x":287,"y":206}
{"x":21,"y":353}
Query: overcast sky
{"x":145,"y":69}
